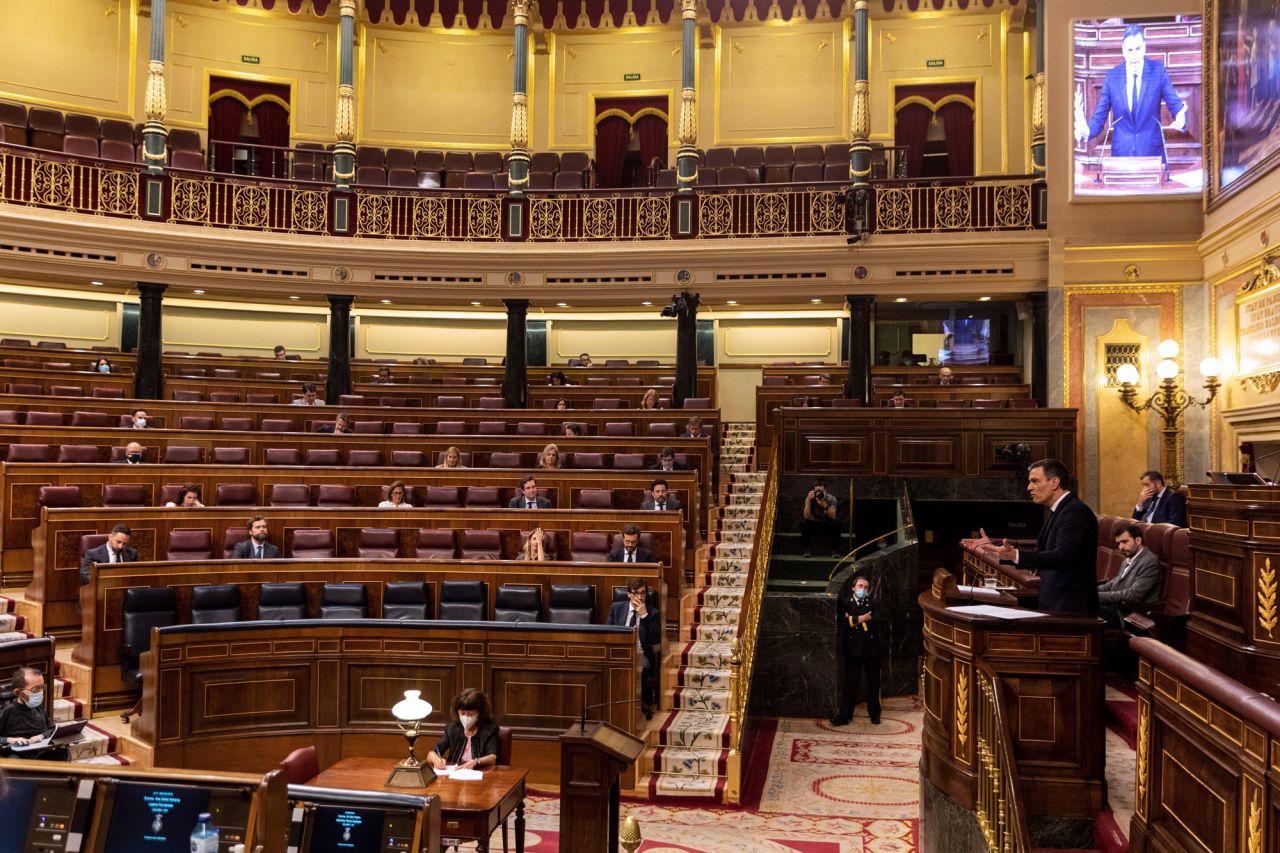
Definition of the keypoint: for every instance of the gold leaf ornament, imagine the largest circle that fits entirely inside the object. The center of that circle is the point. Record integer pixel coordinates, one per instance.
(1267, 598)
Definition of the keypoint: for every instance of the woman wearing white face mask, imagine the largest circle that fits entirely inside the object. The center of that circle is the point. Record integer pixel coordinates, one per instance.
(860, 645)
(471, 740)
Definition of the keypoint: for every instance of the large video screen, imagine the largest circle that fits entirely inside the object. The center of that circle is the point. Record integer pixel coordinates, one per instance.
(1137, 106)
(1248, 90)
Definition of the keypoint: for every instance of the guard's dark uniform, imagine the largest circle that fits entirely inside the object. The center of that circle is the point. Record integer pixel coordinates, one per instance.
(860, 643)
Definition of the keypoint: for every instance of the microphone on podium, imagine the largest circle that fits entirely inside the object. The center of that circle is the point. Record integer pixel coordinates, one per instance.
(582, 723)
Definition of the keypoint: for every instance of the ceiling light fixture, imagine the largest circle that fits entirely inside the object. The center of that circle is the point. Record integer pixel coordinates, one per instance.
(731, 302)
(646, 302)
(562, 304)
(295, 297)
(96, 283)
(984, 298)
(198, 292)
(816, 301)
(475, 304)
(386, 302)
(901, 299)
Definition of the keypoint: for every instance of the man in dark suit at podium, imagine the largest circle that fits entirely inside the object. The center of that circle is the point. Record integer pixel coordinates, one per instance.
(1159, 505)
(1067, 549)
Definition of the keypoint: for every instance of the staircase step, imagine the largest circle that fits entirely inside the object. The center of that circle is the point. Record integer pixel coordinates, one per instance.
(708, 654)
(695, 729)
(713, 633)
(697, 762)
(701, 699)
(67, 709)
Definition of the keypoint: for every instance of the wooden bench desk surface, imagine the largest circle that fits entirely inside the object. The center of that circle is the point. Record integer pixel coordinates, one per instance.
(361, 773)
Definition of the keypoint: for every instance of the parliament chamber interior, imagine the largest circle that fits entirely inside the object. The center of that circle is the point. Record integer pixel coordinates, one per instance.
(890, 390)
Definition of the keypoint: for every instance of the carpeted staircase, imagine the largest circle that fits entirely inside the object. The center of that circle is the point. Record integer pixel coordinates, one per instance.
(11, 624)
(691, 749)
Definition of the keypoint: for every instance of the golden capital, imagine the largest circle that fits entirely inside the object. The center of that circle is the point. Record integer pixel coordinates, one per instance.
(1037, 104)
(688, 10)
(860, 6)
(520, 121)
(520, 12)
(860, 115)
(345, 119)
(347, 8)
(687, 131)
(153, 105)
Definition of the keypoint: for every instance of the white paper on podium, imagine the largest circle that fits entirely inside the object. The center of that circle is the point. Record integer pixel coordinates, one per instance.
(995, 612)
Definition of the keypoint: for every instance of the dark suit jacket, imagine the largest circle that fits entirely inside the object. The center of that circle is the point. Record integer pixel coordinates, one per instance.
(643, 555)
(1137, 588)
(99, 555)
(329, 428)
(1067, 559)
(1170, 509)
(858, 640)
(677, 465)
(518, 502)
(672, 503)
(1136, 133)
(453, 741)
(244, 551)
(650, 625)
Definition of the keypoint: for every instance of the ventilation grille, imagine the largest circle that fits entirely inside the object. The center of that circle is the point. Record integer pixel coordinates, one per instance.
(985, 272)
(273, 272)
(429, 279)
(599, 279)
(815, 275)
(1115, 355)
(46, 252)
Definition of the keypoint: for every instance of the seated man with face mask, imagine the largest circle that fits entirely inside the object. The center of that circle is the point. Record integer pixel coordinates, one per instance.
(133, 453)
(24, 720)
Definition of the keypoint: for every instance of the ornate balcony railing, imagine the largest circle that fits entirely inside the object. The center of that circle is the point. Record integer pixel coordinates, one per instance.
(756, 211)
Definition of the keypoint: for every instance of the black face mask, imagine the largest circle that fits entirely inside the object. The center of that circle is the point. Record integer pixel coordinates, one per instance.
(134, 458)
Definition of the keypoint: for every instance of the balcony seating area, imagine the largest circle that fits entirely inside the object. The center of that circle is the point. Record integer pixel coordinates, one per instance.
(81, 135)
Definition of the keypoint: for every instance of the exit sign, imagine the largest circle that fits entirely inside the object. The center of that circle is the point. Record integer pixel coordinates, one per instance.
(630, 78)
(934, 63)
(249, 60)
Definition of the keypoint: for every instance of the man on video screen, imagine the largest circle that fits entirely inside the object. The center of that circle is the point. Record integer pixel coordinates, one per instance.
(1132, 93)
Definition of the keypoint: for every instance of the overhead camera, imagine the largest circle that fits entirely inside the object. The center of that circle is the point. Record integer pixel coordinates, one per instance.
(681, 303)
(855, 208)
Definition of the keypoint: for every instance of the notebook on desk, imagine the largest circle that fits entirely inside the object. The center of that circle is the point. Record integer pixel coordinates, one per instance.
(60, 735)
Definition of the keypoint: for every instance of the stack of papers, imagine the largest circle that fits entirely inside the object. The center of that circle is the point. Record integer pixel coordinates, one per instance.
(451, 771)
(995, 612)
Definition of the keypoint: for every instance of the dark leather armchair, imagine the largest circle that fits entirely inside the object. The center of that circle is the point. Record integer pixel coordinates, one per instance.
(215, 603)
(143, 609)
(463, 600)
(517, 603)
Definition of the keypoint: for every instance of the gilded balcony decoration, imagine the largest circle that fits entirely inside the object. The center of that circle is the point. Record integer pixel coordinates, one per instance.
(259, 207)
(715, 216)
(429, 218)
(345, 118)
(1141, 779)
(51, 184)
(687, 133)
(770, 212)
(191, 200)
(154, 104)
(915, 207)
(373, 215)
(485, 219)
(520, 121)
(310, 211)
(1267, 598)
(117, 192)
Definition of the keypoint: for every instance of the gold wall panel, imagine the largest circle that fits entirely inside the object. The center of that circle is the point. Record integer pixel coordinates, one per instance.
(76, 322)
(1121, 431)
(237, 331)
(444, 339)
(767, 340)
(435, 89)
(586, 67)
(787, 82)
(631, 339)
(295, 50)
(905, 45)
(70, 54)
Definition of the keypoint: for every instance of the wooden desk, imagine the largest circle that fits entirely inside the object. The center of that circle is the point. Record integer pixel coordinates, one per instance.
(469, 811)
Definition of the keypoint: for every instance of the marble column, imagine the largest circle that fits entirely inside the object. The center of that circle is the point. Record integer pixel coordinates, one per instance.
(860, 113)
(148, 377)
(518, 160)
(339, 381)
(686, 349)
(515, 381)
(1038, 302)
(687, 130)
(861, 314)
(1038, 96)
(155, 138)
(344, 148)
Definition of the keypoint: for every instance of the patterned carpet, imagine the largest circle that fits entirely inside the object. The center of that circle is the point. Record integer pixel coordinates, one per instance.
(826, 790)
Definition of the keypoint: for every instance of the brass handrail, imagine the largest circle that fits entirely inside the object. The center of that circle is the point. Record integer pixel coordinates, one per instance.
(1001, 815)
(744, 646)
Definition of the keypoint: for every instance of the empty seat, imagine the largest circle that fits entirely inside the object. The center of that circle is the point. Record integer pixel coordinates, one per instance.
(234, 494)
(483, 496)
(46, 128)
(364, 458)
(378, 543)
(405, 600)
(545, 161)
(80, 146)
(662, 428)
(436, 497)
(184, 140)
(215, 603)
(290, 494)
(310, 543)
(807, 155)
(283, 456)
(79, 453)
(607, 403)
(282, 601)
(835, 172)
(401, 428)
(517, 603)
(183, 454)
(195, 422)
(13, 124)
(66, 391)
(595, 499)
(572, 604)
(114, 128)
(368, 427)
(531, 428)
(837, 154)
(588, 460)
(407, 458)
(451, 428)
(807, 173)
(142, 610)
(335, 495)
(189, 545)
(504, 459)
(436, 543)
(344, 601)
(262, 398)
(238, 424)
(491, 403)
(777, 164)
(598, 380)
(696, 403)
(181, 396)
(223, 397)
(589, 546)
(463, 600)
(230, 456)
(736, 175)
(718, 158)
(542, 180)
(55, 497)
(44, 419)
(124, 494)
(568, 181)
(989, 404)
(480, 545)
(628, 461)
(325, 456)
(576, 161)
(450, 401)
(477, 181)
(91, 419)
(192, 161)
(619, 428)
(29, 453)
(491, 428)
(275, 425)
(231, 537)
(371, 176)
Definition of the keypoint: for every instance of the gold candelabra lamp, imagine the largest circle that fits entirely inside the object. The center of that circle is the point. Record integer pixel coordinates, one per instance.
(410, 712)
(1170, 400)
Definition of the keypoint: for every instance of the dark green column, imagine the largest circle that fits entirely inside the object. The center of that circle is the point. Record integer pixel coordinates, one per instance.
(687, 130)
(686, 348)
(515, 381)
(518, 161)
(858, 384)
(1039, 304)
(860, 114)
(148, 377)
(344, 148)
(339, 380)
(155, 138)
(1038, 96)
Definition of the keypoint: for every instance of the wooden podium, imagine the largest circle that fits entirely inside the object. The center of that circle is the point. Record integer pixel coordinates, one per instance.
(592, 757)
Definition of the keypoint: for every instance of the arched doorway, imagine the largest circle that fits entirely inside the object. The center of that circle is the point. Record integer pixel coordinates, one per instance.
(934, 124)
(631, 134)
(244, 114)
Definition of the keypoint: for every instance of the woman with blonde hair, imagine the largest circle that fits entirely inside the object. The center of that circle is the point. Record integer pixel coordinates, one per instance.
(534, 548)
(452, 458)
(549, 458)
(650, 399)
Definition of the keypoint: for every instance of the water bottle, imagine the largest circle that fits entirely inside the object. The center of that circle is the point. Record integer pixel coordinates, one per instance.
(204, 838)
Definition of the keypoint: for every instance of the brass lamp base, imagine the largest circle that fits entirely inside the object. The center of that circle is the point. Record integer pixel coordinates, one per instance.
(405, 775)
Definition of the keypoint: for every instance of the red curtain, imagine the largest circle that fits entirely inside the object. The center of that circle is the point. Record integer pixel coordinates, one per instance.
(651, 130)
(224, 127)
(911, 129)
(957, 122)
(273, 130)
(612, 135)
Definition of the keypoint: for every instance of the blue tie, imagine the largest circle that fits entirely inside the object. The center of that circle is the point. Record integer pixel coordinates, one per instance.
(1133, 95)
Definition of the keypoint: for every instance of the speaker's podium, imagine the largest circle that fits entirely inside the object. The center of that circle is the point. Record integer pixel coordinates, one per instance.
(592, 757)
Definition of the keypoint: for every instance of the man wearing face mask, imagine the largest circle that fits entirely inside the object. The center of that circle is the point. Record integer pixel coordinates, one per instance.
(256, 547)
(115, 550)
(24, 720)
(820, 519)
(860, 644)
(133, 453)
(139, 419)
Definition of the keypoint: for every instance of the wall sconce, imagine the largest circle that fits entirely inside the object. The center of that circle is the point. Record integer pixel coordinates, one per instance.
(1170, 400)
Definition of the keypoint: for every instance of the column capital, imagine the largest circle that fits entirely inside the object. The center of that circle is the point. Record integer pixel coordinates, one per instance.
(516, 304)
(689, 10)
(151, 290)
(520, 10)
(339, 302)
(347, 8)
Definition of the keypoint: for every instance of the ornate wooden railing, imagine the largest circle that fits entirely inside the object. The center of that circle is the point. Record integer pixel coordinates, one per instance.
(999, 808)
(756, 211)
(744, 645)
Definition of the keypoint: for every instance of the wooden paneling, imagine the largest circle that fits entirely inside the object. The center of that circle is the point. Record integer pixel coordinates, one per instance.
(281, 675)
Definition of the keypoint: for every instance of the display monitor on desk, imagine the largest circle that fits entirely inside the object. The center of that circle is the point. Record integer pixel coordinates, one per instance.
(38, 813)
(146, 817)
(336, 821)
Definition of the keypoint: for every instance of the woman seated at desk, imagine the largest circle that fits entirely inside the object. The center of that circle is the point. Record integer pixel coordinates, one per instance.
(471, 740)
